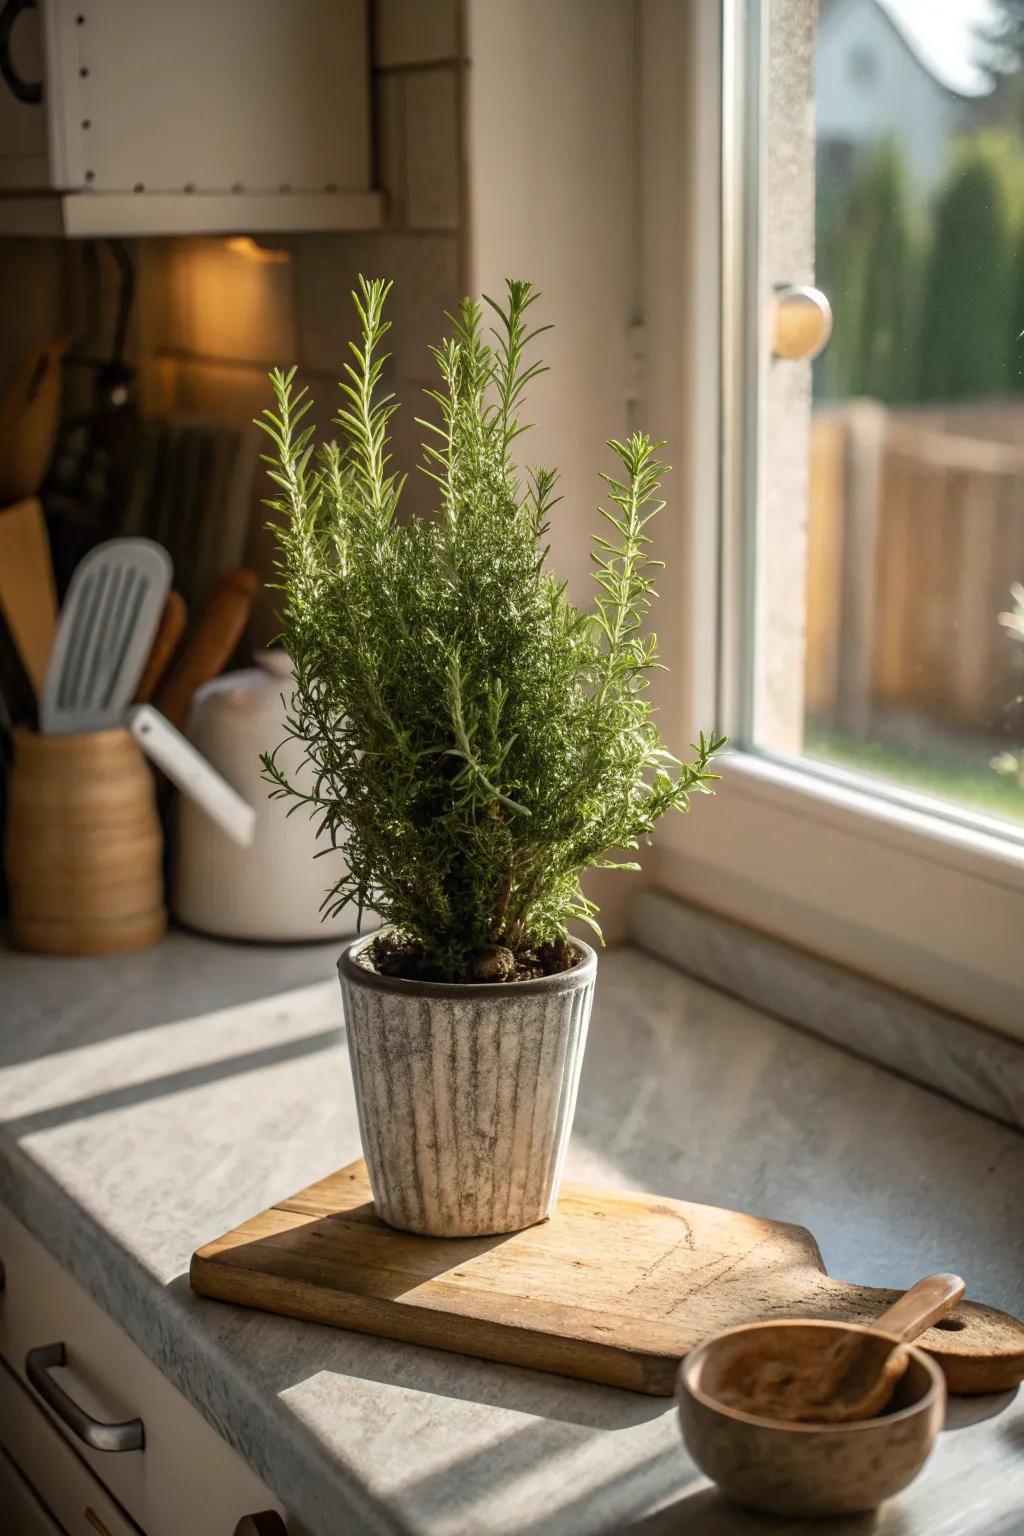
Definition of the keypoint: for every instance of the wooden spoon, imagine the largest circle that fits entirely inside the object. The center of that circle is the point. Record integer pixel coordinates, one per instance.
(208, 649)
(28, 596)
(859, 1375)
(165, 643)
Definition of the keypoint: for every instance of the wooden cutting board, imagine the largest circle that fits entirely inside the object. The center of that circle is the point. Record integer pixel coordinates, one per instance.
(614, 1288)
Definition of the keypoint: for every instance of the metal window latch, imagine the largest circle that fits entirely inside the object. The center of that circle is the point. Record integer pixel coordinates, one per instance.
(801, 323)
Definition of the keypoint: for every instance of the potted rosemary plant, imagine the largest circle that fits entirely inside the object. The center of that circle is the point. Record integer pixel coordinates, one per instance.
(477, 743)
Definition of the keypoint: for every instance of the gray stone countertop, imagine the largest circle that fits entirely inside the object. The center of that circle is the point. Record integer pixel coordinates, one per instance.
(153, 1101)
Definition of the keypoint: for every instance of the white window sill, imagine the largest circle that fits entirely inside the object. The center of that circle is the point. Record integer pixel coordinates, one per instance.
(980, 845)
(893, 890)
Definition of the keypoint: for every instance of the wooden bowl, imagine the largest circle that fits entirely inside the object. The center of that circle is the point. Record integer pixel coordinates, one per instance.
(804, 1469)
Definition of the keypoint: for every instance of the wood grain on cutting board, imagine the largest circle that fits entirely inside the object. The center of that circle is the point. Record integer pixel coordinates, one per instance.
(615, 1287)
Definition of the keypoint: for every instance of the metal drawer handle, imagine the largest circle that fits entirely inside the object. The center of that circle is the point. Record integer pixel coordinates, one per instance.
(128, 1436)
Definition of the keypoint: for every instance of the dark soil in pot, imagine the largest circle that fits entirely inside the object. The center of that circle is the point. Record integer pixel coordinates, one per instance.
(391, 955)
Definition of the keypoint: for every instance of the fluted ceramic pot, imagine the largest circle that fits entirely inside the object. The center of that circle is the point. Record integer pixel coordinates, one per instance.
(465, 1093)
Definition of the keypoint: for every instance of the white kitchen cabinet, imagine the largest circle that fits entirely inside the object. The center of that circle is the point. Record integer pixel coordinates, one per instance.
(22, 1512)
(126, 118)
(183, 1478)
(50, 1470)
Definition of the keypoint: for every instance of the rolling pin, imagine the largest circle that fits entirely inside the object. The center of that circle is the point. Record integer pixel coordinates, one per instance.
(208, 649)
(165, 643)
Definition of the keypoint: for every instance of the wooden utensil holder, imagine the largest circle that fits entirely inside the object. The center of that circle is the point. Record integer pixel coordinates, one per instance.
(84, 849)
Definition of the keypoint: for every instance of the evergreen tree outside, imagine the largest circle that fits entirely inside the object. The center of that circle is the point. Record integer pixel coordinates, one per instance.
(1003, 151)
(1003, 46)
(1015, 329)
(928, 302)
(967, 306)
(867, 259)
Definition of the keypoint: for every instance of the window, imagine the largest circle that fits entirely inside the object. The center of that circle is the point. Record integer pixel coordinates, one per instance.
(872, 503)
(862, 65)
(913, 661)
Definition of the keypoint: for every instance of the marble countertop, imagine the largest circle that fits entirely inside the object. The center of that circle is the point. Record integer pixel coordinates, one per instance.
(153, 1101)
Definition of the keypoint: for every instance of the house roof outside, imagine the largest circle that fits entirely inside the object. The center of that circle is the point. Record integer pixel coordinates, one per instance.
(945, 39)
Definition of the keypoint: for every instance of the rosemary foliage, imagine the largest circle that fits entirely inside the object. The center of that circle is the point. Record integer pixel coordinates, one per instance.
(477, 742)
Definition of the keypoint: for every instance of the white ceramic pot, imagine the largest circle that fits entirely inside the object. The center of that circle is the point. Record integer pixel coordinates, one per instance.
(273, 889)
(465, 1093)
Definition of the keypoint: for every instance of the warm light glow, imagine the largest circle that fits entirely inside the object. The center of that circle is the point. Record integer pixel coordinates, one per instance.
(229, 299)
(245, 245)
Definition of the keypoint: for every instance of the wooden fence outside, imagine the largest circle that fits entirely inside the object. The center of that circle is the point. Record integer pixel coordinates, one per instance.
(916, 532)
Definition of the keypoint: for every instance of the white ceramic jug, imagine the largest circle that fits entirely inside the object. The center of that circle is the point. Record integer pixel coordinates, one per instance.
(271, 890)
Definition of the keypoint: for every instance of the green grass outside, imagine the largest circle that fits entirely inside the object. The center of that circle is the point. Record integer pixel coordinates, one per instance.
(953, 773)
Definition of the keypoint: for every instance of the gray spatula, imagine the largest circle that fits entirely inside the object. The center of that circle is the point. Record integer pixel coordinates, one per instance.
(110, 614)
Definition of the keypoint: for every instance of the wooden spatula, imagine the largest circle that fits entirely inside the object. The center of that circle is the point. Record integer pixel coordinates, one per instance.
(28, 594)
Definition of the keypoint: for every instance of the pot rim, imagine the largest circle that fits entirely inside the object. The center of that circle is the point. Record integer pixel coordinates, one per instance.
(467, 991)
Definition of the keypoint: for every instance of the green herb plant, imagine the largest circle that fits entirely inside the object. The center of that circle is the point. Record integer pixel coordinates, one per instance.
(476, 741)
(1011, 764)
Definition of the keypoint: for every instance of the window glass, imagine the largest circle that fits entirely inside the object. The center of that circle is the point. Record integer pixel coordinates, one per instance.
(910, 666)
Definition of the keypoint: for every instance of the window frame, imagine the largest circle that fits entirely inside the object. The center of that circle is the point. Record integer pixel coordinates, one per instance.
(889, 882)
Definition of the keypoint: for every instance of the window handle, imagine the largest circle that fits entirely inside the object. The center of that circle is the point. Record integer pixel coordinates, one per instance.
(39, 1362)
(801, 323)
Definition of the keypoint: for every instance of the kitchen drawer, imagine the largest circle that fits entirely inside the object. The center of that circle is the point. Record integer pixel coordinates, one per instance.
(73, 1496)
(186, 1478)
(21, 1513)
